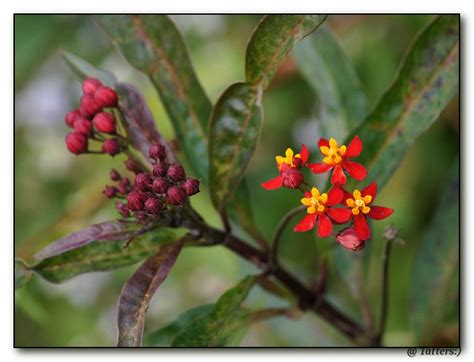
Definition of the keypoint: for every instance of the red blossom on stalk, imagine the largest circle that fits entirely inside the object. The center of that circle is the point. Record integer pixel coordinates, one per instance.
(360, 204)
(337, 159)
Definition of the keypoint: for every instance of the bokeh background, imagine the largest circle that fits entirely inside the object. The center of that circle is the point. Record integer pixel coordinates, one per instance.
(57, 193)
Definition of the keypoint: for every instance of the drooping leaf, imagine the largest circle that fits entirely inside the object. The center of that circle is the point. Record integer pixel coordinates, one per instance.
(139, 122)
(233, 133)
(427, 80)
(138, 291)
(435, 277)
(105, 231)
(271, 41)
(209, 330)
(342, 102)
(83, 69)
(22, 273)
(164, 336)
(153, 45)
(102, 256)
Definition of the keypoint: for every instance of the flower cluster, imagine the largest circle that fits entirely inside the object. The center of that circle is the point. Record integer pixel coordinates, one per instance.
(94, 120)
(151, 192)
(337, 206)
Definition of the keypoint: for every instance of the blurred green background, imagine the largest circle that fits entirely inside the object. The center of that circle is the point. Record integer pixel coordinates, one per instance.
(57, 193)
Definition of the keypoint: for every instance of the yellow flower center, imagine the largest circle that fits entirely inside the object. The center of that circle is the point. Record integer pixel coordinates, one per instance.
(315, 202)
(288, 159)
(358, 203)
(333, 153)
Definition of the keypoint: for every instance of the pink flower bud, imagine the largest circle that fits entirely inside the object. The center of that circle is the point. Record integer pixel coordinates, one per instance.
(89, 106)
(157, 152)
(115, 175)
(176, 173)
(122, 209)
(160, 185)
(176, 195)
(124, 186)
(105, 97)
(110, 191)
(76, 143)
(142, 182)
(133, 166)
(105, 122)
(111, 146)
(71, 117)
(83, 126)
(136, 200)
(348, 239)
(159, 170)
(153, 206)
(291, 177)
(191, 186)
(90, 85)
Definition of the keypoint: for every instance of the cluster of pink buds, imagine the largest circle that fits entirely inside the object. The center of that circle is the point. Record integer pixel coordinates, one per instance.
(94, 120)
(151, 193)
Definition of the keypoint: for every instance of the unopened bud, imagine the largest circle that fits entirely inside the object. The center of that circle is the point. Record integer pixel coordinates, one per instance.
(76, 143)
(176, 195)
(115, 175)
(291, 178)
(89, 106)
(133, 166)
(71, 117)
(160, 185)
(124, 186)
(153, 206)
(176, 173)
(83, 126)
(142, 181)
(159, 170)
(90, 85)
(157, 152)
(191, 186)
(110, 191)
(111, 146)
(105, 97)
(348, 239)
(105, 122)
(136, 200)
(122, 209)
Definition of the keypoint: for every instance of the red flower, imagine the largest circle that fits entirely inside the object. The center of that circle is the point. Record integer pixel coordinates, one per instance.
(288, 167)
(359, 203)
(336, 157)
(321, 213)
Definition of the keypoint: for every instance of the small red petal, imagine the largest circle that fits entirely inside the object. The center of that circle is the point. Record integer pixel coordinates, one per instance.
(319, 167)
(355, 147)
(273, 184)
(324, 226)
(356, 170)
(380, 212)
(361, 227)
(339, 215)
(371, 190)
(335, 196)
(346, 195)
(304, 153)
(323, 142)
(307, 223)
(338, 177)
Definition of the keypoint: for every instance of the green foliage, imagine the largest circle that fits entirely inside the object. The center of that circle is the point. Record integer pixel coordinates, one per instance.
(22, 273)
(138, 291)
(83, 69)
(435, 281)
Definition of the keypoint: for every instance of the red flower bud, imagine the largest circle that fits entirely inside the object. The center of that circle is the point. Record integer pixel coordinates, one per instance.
(348, 239)
(76, 143)
(159, 170)
(160, 185)
(133, 166)
(176, 173)
(153, 206)
(105, 122)
(124, 186)
(89, 106)
(71, 117)
(115, 175)
(122, 209)
(142, 181)
(291, 177)
(136, 200)
(157, 152)
(90, 85)
(110, 191)
(111, 146)
(297, 161)
(191, 186)
(105, 97)
(83, 125)
(176, 195)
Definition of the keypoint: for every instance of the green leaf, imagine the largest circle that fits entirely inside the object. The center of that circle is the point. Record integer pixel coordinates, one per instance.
(271, 41)
(22, 273)
(164, 336)
(428, 79)
(209, 330)
(233, 133)
(83, 69)
(342, 102)
(138, 291)
(435, 277)
(102, 256)
(153, 45)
